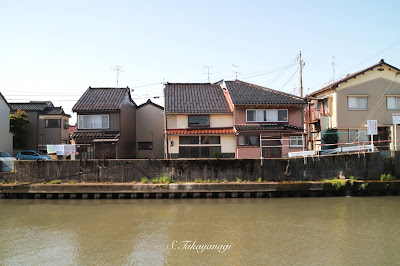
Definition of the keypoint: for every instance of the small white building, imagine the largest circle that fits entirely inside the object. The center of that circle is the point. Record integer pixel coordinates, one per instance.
(6, 138)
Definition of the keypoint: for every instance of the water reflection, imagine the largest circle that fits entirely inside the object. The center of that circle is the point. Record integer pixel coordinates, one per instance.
(261, 231)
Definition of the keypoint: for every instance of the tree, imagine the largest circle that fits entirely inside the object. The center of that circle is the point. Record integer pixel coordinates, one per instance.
(330, 137)
(17, 127)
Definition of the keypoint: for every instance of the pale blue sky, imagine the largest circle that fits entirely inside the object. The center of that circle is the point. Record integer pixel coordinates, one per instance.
(55, 50)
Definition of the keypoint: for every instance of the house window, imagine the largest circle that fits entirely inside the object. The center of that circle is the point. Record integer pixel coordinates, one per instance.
(357, 102)
(198, 151)
(249, 140)
(93, 121)
(296, 141)
(199, 146)
(359, 135)
(65, 123)
(267, 115)
(53, 123)
(145, 145)
(199, 120)
(393, 103)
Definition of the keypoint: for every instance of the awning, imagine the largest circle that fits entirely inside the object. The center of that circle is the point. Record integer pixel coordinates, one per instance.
(202, 131)
(105, 140)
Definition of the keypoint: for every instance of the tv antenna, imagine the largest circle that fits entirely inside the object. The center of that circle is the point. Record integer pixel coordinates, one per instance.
(236, 71)
(208, 72)
(117, 69)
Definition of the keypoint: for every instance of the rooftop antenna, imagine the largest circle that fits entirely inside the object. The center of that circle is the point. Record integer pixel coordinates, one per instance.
(117, 69)
(236, 72)
(333, 67)
(208, 72)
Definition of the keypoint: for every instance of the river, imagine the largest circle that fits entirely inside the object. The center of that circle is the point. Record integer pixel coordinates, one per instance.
(266, 231)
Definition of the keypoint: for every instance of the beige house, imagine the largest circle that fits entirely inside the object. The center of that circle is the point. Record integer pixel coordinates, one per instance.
(199, 122)
(149, 131)
(346, 105)
(6, 138)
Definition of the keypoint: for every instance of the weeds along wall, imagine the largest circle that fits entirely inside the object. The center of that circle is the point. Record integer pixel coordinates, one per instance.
(366, 166)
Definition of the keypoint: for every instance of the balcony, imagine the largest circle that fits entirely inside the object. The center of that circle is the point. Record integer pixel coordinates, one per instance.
(313, 115)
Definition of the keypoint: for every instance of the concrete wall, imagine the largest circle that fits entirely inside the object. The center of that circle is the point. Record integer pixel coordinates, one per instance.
(150, 125)
(366, 166)
(6, 138)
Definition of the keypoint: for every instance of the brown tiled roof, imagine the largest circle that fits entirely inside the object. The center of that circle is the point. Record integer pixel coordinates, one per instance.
(350, 76)
(150, 102)
(263, 127)
(195, 98)
(96, 135)
(246, 93)
(103, 99)
(208, 131)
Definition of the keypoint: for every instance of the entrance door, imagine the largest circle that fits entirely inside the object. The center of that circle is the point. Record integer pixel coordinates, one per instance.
(271, 148)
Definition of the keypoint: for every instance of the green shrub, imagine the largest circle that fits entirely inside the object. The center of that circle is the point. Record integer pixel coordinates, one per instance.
(162, 180)
(71, 182)
(387, 177)
(216, 181)
(336, 182)
(57, 181)
(198, 180)
(352, 177)
(145, 180)
(363, 186)
(225, 181)
(238, 180)
(259, 179)
(216, 154)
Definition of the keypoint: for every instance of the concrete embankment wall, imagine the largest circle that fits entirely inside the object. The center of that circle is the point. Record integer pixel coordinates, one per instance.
(194, 190)
(368, 166)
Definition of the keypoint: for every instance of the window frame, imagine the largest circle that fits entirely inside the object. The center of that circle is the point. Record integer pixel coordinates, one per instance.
(200, 125)
(248, 137)
(80, 126)
(396, 98)
(142, 146)
(297, 139)
(266, 116)
(46, 123)
(357, 97)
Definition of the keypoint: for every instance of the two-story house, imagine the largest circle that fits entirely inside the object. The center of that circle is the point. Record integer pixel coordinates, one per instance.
(198, 121)
(345, 106)
(149, 133)
(268, 123)
(234, 118)
(6, 138)
(106, 124)
(48, 124)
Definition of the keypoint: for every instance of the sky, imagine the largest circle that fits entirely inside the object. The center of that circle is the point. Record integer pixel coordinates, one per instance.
(55, 50)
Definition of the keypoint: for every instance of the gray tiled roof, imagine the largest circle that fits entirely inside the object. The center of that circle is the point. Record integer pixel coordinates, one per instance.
(53, 111)
(261, 127)
(105, 99)
(45, 108)
(246, 93)
(195, 98)
(31, 106)
(96, 135)
(150, 102)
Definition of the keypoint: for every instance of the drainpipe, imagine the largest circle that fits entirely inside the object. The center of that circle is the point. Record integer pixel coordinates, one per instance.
(165, 127)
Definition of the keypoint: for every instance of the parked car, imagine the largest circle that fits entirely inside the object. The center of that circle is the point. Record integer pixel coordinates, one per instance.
(32, 155)
(6, 161)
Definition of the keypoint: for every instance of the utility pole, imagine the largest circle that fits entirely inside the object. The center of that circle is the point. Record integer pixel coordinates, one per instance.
(236, 71)
(208, 72)
(301, 74)
(117, 69)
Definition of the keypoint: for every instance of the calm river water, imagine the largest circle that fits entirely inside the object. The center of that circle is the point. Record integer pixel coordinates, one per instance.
(305, 231)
